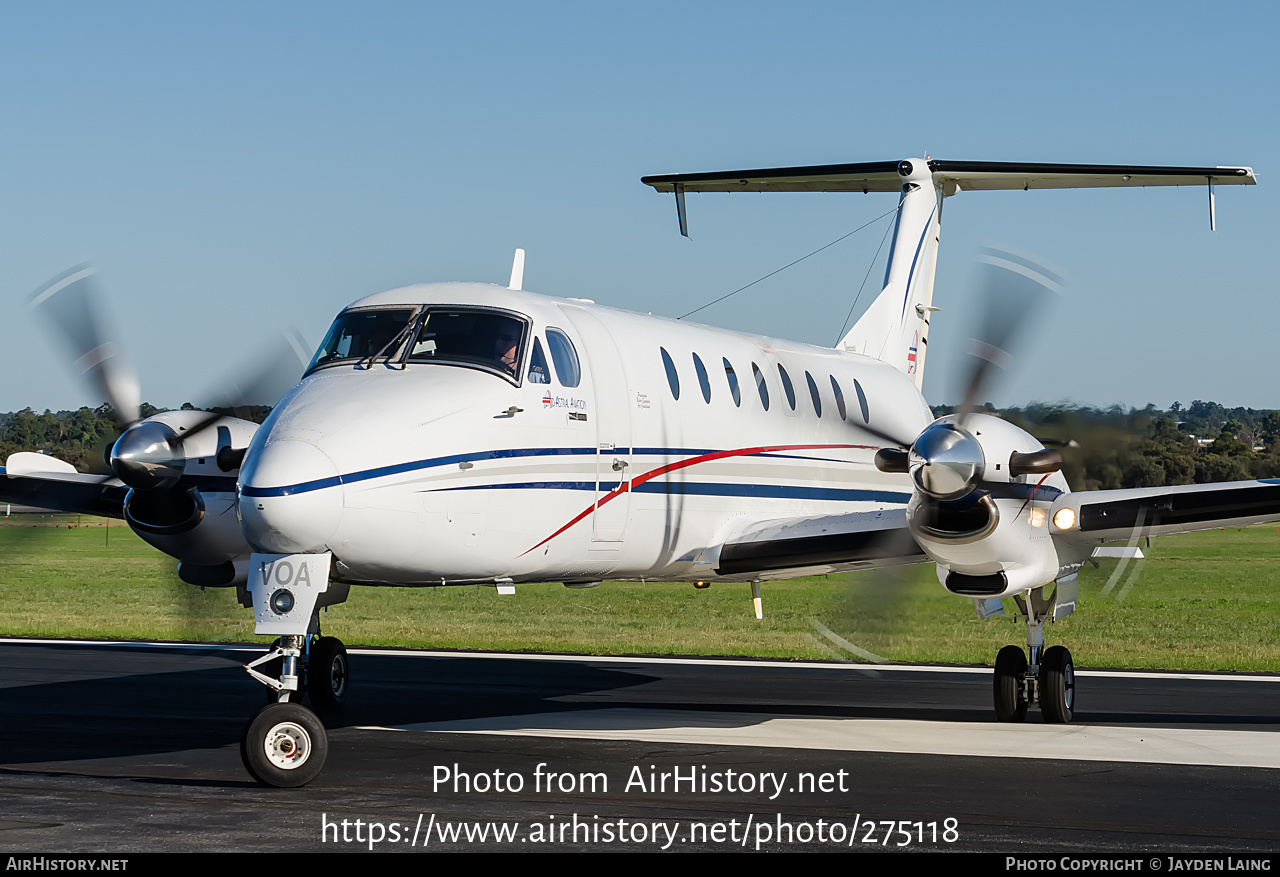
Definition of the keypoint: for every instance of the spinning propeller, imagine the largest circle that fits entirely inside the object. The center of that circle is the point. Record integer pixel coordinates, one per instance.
(947, 464)
(149, 455)
(69, 302)
(946, 461)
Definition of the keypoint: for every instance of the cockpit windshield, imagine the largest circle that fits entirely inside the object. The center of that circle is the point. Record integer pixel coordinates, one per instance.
(485, 338)
(362, 334)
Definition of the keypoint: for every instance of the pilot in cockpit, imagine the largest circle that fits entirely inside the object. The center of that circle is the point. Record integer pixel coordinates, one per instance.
(506, 344)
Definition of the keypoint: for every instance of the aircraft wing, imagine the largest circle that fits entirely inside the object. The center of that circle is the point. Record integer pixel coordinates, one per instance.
(36, 480)
(1115, 515)
(859, 540)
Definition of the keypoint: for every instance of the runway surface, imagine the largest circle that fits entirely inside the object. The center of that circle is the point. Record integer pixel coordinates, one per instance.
(129, 748)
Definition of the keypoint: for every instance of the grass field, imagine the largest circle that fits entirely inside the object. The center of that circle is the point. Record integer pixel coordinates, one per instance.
(1203, 601)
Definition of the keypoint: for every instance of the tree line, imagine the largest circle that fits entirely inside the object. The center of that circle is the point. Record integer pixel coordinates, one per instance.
(1108, 448)
(1102, 448)
(82, 437)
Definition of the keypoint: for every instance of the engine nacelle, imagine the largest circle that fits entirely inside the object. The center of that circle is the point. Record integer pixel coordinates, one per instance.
(182, 499)
(993, 539)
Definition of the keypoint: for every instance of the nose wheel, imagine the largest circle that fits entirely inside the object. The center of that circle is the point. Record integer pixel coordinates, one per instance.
(285, 746)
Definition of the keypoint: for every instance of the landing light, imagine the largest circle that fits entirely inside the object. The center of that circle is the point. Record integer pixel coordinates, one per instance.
(1064, 519)
(282, 602)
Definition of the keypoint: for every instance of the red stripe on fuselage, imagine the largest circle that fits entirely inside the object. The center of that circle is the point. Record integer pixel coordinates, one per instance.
(684, 464)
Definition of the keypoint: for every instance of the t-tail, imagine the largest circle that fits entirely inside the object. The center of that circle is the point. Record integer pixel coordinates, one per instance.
(895, 327)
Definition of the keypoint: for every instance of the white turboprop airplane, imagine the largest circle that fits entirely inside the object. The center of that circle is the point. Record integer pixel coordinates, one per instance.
(464, 433)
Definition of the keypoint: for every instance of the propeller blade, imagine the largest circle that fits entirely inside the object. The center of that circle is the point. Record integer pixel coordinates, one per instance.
(69, 303)
(1015, 287)
(259, 382)
(890, 440)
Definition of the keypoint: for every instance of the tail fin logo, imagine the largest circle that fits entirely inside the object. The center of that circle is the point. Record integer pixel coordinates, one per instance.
(911, 354)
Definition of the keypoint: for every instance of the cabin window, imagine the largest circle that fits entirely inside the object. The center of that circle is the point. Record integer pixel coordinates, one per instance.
(813, 394)
(357, 335)
(862, 401)
(732, 378)
(480, 338)
(703, 381)
(761, 385)
(786, 387)
(538, 371)
(839, 394)
(673, 379)
(565, 358)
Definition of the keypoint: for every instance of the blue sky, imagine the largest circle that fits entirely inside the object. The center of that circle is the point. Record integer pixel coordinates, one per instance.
(234, 169)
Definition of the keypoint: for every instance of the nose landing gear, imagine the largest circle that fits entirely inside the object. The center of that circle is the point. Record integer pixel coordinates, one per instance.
(285, 744)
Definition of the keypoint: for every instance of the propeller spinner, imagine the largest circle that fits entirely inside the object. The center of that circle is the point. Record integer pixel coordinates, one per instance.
(946, 461)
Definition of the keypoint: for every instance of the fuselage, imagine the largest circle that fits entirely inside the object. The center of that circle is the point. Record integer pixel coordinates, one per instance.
(434, 459)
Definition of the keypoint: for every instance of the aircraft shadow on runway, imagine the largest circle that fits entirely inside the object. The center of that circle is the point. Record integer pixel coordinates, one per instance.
(136, 706)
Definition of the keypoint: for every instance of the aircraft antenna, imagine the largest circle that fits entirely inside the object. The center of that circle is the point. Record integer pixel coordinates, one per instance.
(864, 283)
(789, 264)
(517, 270)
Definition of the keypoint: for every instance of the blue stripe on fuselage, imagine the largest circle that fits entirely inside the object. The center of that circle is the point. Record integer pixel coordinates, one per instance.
(418, 465)
(696, 488)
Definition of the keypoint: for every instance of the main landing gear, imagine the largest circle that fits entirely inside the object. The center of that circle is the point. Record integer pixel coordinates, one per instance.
(1049, 678)
(285, 744)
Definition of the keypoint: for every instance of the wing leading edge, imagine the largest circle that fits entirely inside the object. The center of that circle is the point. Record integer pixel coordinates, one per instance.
(1115, 515)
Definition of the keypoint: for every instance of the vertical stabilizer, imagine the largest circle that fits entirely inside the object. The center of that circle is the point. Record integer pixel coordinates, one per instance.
(895, 328)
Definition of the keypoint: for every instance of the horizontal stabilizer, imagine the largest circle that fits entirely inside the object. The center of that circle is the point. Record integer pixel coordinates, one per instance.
(983, 175)
(871, 176)
(887, 176)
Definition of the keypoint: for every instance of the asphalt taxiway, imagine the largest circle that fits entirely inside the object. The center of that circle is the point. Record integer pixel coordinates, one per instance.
(135, 748)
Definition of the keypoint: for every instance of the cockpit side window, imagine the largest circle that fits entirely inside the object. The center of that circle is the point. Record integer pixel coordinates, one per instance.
(477, 337)
(361, 334)
(538, 371)
(565, 358)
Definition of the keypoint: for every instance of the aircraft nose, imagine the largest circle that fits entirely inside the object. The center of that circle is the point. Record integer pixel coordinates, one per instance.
(290, 498)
